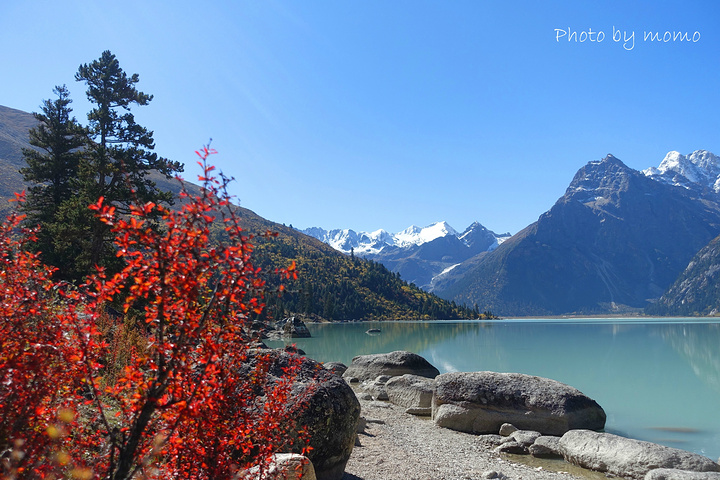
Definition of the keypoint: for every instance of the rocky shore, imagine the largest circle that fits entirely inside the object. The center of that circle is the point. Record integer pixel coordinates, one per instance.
(398, 446)
(469, 427)
(407, 421)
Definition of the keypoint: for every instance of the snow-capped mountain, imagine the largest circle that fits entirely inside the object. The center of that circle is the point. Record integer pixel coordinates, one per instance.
(700, 169)
(414, 235)
(418, 254)
(614, 242)
(371, 243)
(363, 243)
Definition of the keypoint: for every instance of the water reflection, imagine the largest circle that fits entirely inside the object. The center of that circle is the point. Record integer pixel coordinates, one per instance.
(699, 346)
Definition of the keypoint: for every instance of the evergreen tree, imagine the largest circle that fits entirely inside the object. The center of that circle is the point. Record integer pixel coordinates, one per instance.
(120, 157)
(52, 171)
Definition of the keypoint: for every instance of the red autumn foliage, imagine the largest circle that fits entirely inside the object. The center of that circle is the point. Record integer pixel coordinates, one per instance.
(180, 407)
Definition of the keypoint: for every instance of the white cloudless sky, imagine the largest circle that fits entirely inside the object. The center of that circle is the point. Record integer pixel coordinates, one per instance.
(376, 114)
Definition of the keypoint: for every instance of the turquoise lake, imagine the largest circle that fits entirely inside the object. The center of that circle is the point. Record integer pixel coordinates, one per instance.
(657, 379)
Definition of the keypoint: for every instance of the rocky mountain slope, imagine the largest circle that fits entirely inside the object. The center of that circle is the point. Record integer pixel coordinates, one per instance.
(614, 242)
(417, 254)
(697, 289)
(331, 285)
(14, 126)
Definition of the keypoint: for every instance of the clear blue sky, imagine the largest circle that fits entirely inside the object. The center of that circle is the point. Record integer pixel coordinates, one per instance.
(382, 114)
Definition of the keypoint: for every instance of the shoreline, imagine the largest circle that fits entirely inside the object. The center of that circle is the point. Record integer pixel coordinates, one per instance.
(615, 316)
(398, 446)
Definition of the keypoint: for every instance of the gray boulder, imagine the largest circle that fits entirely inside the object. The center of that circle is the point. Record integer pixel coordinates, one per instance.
(512, 447)
(481, 402)
(525, 437)
(338, 368)
(326, 406)
(368, 367)
(506, 429)
(546, 447)
(627, 457)
(376, 388)
(674, 474)
(412, 392)
(517, 442)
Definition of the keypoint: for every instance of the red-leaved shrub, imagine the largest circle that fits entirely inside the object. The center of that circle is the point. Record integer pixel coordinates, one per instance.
(154, 395)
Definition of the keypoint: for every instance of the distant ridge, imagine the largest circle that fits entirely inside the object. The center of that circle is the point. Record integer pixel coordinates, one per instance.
(419, 255)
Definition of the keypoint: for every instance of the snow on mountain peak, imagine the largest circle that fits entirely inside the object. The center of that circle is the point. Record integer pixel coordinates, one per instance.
(414, 235)
(371, 243)
(700, 167)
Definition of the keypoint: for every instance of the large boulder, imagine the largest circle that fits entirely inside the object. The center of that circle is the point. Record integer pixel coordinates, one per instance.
(393, 364)
(627, 457)
(412, 392)
(481, 402)
(328, 409)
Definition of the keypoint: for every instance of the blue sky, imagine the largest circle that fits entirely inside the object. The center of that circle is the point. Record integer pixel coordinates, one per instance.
(382, 114)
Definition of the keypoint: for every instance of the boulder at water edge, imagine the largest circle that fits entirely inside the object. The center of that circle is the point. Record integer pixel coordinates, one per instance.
(330, 411)
(627, 457)
(295, 328)
(481, 402)
(393, 364)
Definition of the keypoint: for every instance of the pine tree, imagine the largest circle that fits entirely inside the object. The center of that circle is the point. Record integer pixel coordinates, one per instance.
(52, 171)
(120, 157)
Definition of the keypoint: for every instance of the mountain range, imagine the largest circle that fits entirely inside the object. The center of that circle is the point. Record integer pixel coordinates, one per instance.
(419, 255)
(618, 241)
(613, 243)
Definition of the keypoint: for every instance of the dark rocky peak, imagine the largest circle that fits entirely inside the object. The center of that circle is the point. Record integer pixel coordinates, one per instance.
(477, 233)
(599, 174)
(601, 182)
(479, 239)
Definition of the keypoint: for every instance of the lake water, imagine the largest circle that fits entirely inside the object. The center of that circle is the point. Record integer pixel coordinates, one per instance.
(657, 379)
